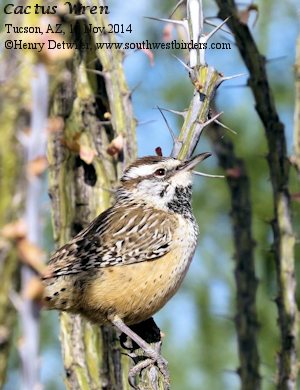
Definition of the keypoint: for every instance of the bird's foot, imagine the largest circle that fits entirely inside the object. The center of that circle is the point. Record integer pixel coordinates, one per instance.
(136, 371)
(152, 356)
(147, 363)
(160, 361)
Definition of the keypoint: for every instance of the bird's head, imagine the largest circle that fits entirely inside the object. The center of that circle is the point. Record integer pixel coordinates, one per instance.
(158, 181)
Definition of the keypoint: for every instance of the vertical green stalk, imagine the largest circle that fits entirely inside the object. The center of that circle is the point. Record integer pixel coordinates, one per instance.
(284, 240)
(94, 102)
(296, 156)
(206, 80)
(12, 97)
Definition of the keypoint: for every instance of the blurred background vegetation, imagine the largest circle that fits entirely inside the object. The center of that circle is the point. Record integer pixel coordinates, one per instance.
(200, 340)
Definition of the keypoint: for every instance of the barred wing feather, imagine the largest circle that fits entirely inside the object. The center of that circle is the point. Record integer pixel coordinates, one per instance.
(119, 236)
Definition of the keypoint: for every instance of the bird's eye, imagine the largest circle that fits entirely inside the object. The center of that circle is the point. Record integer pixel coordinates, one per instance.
(160, 172)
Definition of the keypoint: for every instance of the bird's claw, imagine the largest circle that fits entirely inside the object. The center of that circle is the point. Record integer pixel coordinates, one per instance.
(136, 370)
(157, 360)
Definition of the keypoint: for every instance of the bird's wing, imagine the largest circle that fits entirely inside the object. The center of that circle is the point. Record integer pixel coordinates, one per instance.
(119, 236)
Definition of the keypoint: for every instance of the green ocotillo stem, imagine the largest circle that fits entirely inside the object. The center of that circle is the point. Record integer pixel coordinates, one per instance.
(282, 224)
(206, 80)
(13, 96)
(296, 156)
(80, 190)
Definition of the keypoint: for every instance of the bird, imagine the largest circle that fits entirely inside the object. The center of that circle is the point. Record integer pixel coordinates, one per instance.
(132, 258)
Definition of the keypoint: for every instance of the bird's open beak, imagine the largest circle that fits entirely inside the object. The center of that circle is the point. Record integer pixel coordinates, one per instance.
(191, 163)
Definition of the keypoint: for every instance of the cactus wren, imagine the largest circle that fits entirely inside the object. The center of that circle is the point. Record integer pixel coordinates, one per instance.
(132, 258)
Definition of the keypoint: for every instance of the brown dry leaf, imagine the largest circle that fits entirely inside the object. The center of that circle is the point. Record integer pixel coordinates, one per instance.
(55, 124)
(48, 20)
(73, 144)
(296, 196)
(4, 334)
(168, 32)
(58, 51)
(116, 145)
(37, 166)
(158, 151)
(34, 289)
(26, 130)
(87, 154)
(244, 15)
(56, 46)
(62, 10)
(14, 230)
(31, 255)
(150, 55)
(198, 85)
(107, 115)
(233, 173)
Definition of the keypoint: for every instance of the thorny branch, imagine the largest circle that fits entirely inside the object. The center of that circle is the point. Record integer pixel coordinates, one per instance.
(206, 80)
(29, 311)
(93, 101)
(10, 163)
(296, 157)
(284, 240)
(246, 282)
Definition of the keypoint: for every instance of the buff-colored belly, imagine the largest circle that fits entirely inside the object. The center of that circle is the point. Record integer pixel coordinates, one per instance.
(135, 292)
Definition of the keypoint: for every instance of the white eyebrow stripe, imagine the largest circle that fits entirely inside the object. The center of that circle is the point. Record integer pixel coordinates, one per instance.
(149, 169)
(142, 170)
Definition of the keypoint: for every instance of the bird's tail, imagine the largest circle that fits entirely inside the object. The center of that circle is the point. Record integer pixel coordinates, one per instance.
(56, 295)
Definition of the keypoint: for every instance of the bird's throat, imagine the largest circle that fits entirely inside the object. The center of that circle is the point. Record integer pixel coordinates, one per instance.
(181, 202)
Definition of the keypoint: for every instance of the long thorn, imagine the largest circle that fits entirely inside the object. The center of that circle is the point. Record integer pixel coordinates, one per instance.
(208, 36)
(169, 128)
(181, 113)
(143, 123)
(279, 58)
(173, 21)
(226, 78)
(208, 175)
(237, 86)
(98, 72)
(211, 120)
(176, 7)
(215, 25)
(182, 23)
(225, 127)
(182, 63)
(136, 87)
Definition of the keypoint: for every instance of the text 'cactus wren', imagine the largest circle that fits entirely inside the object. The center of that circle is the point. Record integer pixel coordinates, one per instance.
(133, 257)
